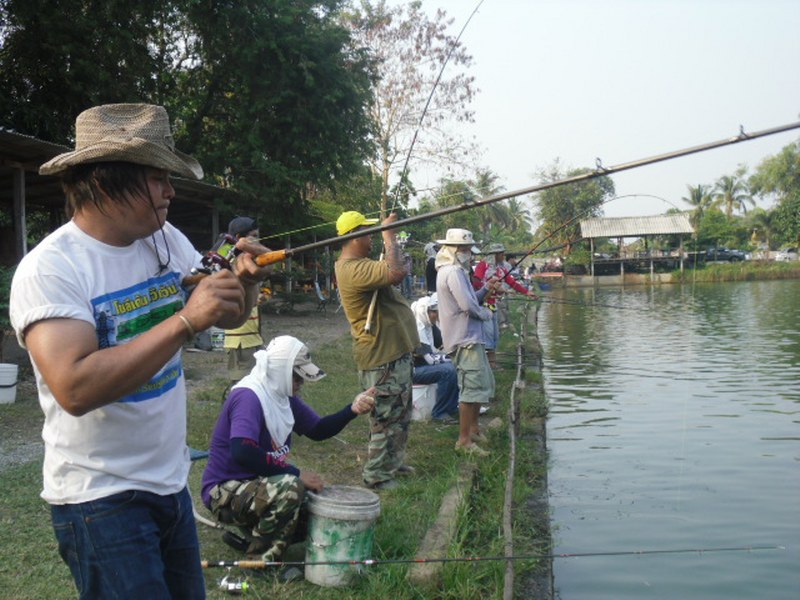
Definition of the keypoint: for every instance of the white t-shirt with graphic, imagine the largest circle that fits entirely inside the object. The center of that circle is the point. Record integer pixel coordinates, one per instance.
(137, 442)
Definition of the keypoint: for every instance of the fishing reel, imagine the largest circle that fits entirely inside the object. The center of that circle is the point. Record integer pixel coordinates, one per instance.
(220, 256)
(235, 587)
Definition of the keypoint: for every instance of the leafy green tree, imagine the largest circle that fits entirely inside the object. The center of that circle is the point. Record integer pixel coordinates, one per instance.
(271, 96)
(716, 230)
(493, 217)
(519, 232)
(453, 193)
(561, 208)
(410, 48)
(763, 225)
(276, 99)
(59, 58)
(779, 177)
(733, 193)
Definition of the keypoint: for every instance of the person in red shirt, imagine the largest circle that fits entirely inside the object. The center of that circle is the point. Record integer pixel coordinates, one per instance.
(495, 265)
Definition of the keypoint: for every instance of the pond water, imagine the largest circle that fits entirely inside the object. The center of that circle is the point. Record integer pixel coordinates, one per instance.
(674, 424)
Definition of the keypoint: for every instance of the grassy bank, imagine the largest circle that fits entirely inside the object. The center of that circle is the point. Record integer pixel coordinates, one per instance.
(739, 271)
(31, 569)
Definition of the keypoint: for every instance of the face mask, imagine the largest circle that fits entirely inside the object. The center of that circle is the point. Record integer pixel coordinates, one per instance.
(464, 258)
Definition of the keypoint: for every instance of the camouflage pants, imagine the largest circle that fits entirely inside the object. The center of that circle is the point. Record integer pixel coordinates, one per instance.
(267, 509)
(389, 419)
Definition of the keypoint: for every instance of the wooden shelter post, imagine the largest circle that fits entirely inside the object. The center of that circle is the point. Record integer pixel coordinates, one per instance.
(21, 233)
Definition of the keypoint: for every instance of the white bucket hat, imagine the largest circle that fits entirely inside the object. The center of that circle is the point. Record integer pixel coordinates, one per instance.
(459, 237)
(135, 133)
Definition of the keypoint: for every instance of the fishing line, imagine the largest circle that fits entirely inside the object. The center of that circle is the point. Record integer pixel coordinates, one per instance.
(550, 300)
(453, 46)
(404, 171)
(262, 564)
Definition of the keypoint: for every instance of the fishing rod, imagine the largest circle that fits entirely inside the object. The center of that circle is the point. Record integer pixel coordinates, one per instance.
(550, 300)
(404, 172)
(536, 247)
(368, 562)
(276, 256)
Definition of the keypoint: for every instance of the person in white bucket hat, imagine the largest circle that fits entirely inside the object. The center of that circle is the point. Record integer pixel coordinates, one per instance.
(249, 481)
(460, 318)
(100, 306)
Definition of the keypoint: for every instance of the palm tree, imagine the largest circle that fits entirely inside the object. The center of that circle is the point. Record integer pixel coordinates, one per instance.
(764, 226)
(732, 192)
(520, 217)
(700, 200)
(494, 214)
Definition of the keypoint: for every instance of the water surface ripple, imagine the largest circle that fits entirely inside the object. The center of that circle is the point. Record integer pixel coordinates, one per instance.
(675, 423)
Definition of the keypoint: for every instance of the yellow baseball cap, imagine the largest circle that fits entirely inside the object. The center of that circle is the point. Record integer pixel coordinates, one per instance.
(351, 219)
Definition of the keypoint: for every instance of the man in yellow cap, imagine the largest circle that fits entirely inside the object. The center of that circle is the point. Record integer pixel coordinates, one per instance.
(384, 335)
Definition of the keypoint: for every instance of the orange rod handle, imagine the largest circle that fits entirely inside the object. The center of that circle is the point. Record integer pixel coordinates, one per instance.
(270, 258)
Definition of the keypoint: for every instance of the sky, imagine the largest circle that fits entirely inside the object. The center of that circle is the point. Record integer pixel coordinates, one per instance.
(623, 80)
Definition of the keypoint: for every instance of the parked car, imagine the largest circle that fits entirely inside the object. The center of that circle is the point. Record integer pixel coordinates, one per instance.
(726, 254)
(786, 254)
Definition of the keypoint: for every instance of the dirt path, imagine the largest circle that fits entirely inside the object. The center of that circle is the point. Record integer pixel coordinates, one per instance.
(21, 422)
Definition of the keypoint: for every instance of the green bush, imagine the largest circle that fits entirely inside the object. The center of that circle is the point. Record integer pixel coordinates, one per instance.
(6, 273)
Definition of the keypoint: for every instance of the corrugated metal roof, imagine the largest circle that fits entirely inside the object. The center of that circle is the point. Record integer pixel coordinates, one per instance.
(603, 227)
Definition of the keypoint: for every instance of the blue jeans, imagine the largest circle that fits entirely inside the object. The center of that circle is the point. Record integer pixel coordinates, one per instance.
(491, 332)
(446, 380)
(131, 545)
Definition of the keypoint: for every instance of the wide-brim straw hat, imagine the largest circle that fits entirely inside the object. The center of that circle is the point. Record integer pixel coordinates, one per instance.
(134, 133)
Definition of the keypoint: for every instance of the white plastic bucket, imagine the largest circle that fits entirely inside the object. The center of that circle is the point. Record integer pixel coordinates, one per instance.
(341, 527)
(8, 382)
(423, 397)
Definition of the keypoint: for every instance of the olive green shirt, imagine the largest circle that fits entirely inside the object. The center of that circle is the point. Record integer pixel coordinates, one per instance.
(393, 331)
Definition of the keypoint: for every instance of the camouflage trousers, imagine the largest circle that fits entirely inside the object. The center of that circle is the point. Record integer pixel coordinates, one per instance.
(266, 509)
(389, 419)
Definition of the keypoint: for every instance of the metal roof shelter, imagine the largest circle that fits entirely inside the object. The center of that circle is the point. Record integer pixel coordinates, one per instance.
(643, 227)
(194, 210)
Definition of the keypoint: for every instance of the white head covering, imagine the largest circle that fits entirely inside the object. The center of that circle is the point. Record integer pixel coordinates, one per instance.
(424, 327)
(420, 309)
(448, 255)
(271, 381)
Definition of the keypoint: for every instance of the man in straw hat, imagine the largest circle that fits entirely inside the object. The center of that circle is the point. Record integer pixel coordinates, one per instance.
(461, 316)
(384, 334)
(249, 481)
(100, 307)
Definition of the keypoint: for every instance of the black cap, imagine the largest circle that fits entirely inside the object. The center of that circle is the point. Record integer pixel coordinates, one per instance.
(240, 226)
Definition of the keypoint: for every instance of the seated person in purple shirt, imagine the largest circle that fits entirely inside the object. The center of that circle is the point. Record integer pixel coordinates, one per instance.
(249, 481)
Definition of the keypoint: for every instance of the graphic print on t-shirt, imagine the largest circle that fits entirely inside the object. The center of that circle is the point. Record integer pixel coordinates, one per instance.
(122, 315)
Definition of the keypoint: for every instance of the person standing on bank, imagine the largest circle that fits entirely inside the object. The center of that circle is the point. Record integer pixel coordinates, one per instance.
(242, 343)
(495, 266)
(461, 317)
(383, 339)
(100, 307)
